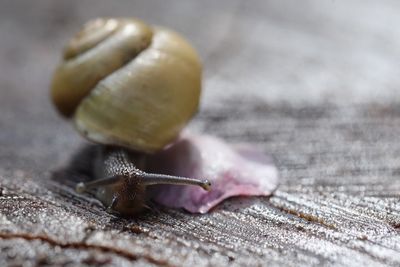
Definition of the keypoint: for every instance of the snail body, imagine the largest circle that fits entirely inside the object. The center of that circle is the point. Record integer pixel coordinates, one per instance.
(132, 88)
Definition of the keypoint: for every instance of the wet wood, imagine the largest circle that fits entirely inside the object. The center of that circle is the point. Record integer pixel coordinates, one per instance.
(315, 85)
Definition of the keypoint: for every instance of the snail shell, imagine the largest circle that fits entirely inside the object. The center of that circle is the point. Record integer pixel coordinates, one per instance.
(128, 84)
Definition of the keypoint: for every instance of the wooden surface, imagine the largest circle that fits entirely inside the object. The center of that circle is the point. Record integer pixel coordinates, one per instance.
(315, 84)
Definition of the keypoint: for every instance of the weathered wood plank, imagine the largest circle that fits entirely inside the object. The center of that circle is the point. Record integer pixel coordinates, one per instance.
(313, 84)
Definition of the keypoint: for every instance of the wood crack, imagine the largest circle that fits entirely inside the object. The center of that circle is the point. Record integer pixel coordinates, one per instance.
(81, 245)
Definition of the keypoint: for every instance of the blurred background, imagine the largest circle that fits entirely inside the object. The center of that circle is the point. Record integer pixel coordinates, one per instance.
(273, 50)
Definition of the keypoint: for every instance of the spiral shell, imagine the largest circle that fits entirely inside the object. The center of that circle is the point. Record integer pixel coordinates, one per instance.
(128, 84)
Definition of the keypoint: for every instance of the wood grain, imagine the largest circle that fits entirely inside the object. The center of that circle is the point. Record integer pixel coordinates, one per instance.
(314, 84)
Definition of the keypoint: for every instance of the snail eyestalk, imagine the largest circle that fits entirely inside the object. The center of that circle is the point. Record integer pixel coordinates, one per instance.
(82, 187)
(146, 179)
(153, 179)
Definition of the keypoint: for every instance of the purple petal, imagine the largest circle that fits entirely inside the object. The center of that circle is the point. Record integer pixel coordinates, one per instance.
(239, 170)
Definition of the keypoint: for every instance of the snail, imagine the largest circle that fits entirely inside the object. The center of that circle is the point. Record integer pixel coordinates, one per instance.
(132, 88)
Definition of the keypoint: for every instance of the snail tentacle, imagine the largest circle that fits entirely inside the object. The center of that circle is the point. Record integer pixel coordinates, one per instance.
(125, 184)
(121, 166)
(113, 204)
(82, 187)
(153, 178)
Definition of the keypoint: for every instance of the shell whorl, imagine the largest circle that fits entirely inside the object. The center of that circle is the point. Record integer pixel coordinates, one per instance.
(128, 84)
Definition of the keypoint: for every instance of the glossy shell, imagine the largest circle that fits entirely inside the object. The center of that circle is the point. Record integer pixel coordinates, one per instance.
(128, 84)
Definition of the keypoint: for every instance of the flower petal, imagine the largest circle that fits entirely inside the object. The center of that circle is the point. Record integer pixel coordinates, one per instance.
(239, 170)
